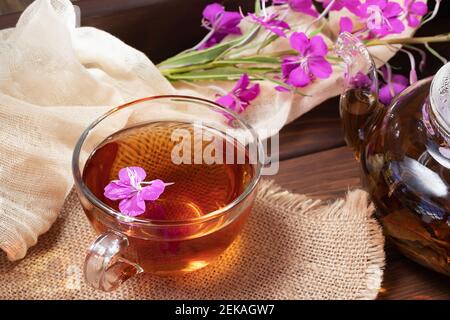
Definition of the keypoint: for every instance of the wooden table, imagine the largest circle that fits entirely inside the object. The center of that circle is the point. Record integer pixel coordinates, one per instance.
(314, 158)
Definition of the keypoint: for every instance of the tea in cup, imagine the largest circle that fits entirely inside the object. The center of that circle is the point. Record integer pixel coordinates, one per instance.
(209, 169)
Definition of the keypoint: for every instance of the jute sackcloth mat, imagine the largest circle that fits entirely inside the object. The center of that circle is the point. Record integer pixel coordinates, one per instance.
(291, 248)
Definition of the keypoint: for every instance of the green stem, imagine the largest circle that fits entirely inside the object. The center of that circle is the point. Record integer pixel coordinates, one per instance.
(211, 65)
(205, 66)
(435, 53)
(418, 40)
(282, 53)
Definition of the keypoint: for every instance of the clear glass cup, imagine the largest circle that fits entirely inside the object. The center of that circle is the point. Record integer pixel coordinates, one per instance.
(128, 245)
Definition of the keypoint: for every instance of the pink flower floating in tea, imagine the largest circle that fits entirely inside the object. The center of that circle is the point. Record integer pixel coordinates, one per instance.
(133, 191)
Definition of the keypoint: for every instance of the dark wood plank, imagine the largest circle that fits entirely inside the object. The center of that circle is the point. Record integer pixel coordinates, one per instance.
(329, 174)
(11, 6)
(406, 280)
(325, 175)
(317, 130)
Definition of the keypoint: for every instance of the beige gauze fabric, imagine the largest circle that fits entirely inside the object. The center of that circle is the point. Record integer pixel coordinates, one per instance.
(291, 248)
(56, 78)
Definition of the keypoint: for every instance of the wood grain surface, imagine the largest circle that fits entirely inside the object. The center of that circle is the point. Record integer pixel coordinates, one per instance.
(315, 160)
(11, 6)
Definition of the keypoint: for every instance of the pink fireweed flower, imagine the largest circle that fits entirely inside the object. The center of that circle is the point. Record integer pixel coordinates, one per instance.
(382, 17)
(240, 96)
(351, 5)
(415, 10)
(130, 190)
(392, 88)
(220, 23)
(272, 23)
(301, 70)
(345, 25)
(303, 6)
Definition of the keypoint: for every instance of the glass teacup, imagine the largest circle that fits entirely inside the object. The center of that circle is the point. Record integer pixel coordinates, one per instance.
(202, 212)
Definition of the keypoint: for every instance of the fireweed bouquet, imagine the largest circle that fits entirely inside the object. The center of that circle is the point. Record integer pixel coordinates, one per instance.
(285, 49)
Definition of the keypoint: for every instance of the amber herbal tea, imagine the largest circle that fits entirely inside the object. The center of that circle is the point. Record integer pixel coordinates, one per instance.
(203, 170)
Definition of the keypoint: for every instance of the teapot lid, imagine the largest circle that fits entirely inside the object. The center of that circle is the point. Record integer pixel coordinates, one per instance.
(440, 96)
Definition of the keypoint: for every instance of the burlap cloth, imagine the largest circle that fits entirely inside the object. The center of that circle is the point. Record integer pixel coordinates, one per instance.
(291, 248)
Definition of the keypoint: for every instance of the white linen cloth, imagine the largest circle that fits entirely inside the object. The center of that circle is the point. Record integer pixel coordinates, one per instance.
(55, 78)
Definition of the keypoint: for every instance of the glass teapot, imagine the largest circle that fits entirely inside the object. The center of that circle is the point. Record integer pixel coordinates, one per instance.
(404, 151)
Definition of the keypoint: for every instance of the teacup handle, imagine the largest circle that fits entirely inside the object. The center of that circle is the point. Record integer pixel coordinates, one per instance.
(105, 268)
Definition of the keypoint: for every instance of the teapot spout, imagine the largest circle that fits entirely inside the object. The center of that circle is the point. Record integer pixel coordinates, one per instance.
(359, 106)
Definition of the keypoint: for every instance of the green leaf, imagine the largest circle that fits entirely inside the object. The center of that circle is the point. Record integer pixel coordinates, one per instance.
(243, 41)
(435, 53)
(316, 31)
(197, 57)
(255, 59)
(222, 73)
(267, 41)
